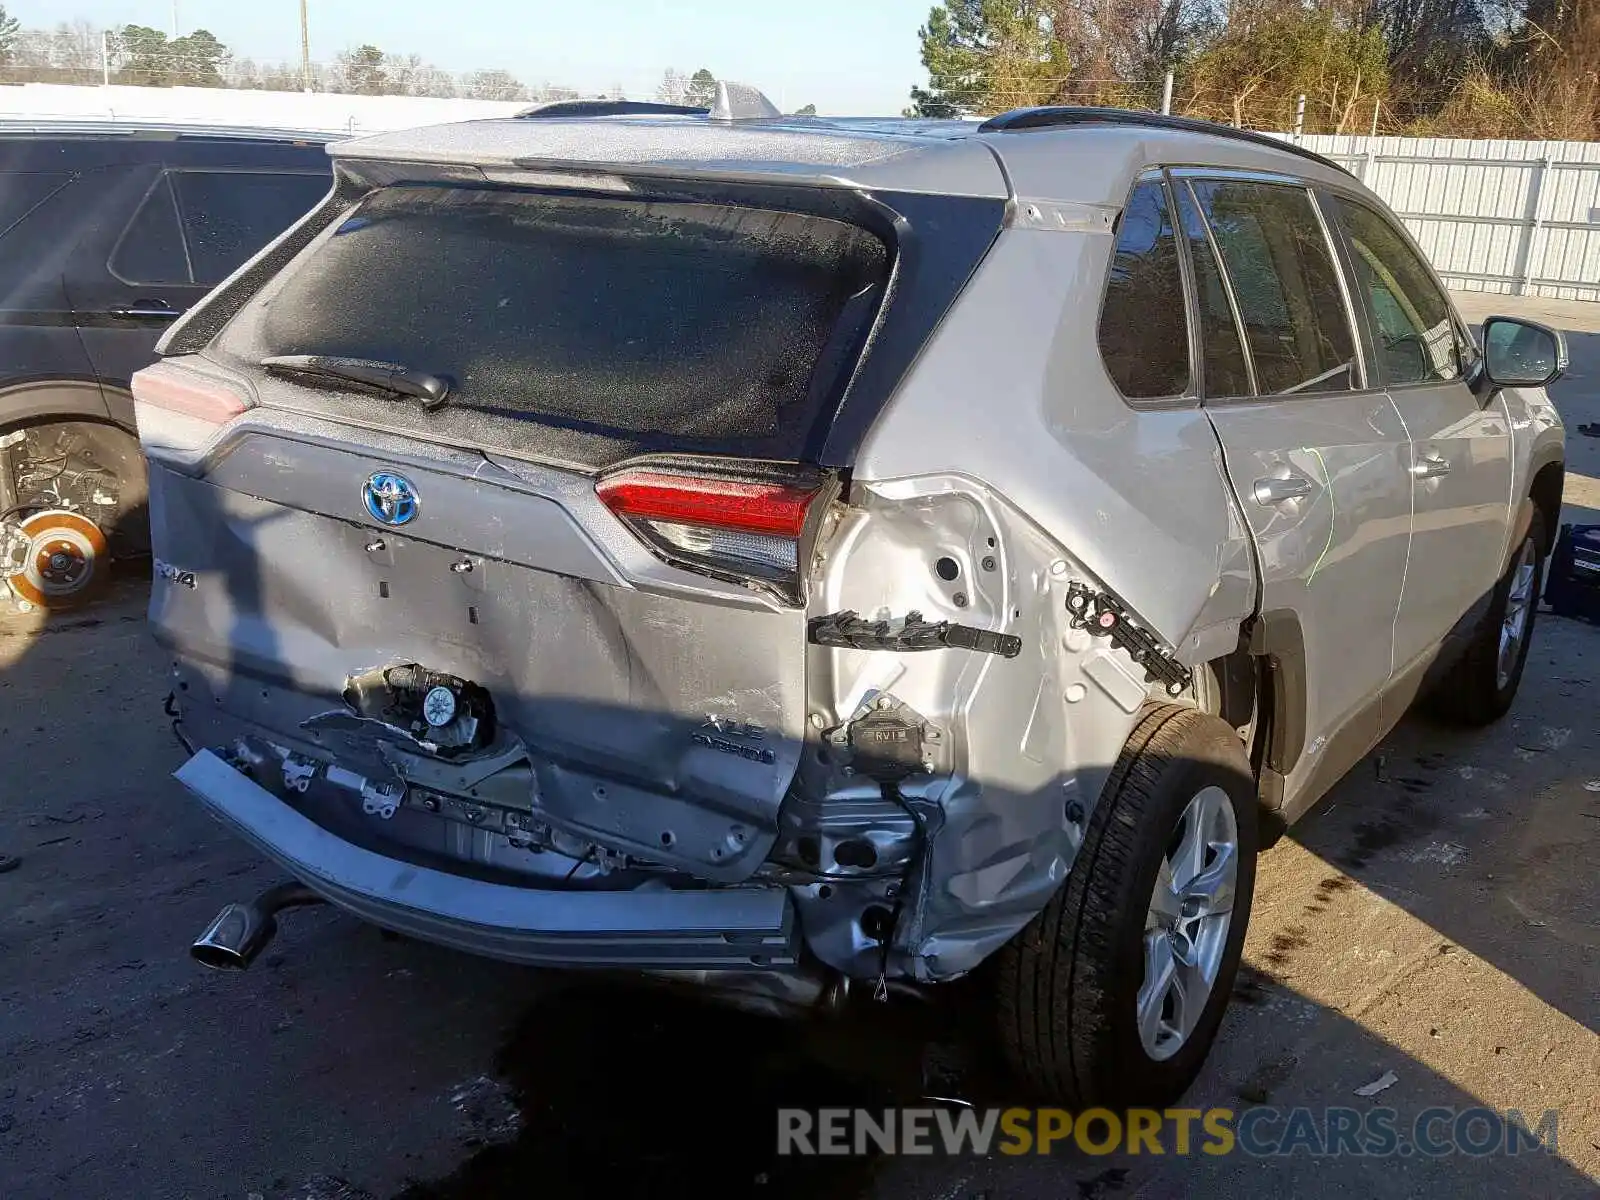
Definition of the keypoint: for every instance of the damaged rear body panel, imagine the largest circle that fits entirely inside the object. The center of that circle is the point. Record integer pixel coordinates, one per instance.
(299, 608)
(667, 596)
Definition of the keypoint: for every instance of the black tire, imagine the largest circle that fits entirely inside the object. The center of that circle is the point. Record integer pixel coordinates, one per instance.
(1066, 986)
(1472, 692)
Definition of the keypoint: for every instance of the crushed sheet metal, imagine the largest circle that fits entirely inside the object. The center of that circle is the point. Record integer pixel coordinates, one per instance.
(998, 840)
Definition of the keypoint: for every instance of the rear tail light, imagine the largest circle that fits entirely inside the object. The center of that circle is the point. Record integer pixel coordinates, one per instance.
(181, 410)
(748, 531)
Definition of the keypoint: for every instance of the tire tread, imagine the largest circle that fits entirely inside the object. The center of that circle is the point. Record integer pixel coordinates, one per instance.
(1051, 978)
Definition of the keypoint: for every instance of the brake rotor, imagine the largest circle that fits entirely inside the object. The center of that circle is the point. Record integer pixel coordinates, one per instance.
(64, 560)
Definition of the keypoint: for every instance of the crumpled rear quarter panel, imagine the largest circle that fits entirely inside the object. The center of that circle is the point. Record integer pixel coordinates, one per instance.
(1020, 748)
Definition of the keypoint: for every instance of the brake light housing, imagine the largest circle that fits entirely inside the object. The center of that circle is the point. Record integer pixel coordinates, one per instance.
(753, 525)
(179, 410)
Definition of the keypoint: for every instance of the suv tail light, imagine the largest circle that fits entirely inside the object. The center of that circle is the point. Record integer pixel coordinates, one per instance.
(748, 530)
(181, 410)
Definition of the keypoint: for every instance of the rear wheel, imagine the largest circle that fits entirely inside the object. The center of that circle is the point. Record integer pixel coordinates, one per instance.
(1481, 686)
(1114, 993)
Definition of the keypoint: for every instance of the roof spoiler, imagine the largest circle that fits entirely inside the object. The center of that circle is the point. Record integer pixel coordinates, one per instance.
(612, 108)
(735, 102)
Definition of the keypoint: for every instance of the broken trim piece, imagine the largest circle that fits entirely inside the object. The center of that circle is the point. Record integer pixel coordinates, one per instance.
(851, 631)
(1103, 615)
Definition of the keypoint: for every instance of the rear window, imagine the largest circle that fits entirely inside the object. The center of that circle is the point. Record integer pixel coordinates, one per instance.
(585, 326)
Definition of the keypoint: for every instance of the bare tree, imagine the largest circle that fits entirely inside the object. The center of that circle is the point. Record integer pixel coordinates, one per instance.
(493, 85)
(673, 88)
(69, 53)
(75, 46)
(408, 75)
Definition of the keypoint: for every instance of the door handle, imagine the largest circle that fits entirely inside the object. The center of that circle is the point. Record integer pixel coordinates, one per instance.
(1430, 466)
(1276, 489)
(146, 308)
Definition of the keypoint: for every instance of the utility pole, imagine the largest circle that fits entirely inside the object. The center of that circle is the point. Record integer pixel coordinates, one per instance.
(105, 57)
(1166, 95)
(305, 49)
(174, 20)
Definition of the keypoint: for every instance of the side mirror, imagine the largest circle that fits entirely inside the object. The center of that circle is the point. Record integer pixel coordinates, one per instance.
(1521, 354)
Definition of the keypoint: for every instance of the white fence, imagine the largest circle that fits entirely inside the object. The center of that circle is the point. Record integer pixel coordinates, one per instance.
(1519, 218)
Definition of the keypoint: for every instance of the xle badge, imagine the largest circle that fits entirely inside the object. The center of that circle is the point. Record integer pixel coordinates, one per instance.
(719, 733)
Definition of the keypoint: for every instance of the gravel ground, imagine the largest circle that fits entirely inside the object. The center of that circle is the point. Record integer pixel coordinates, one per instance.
(1434, 918)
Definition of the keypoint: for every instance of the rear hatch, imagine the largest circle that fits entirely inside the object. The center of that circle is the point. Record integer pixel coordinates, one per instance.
(565, 446)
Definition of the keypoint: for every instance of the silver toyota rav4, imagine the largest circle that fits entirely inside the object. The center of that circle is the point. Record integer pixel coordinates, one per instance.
(792, 554)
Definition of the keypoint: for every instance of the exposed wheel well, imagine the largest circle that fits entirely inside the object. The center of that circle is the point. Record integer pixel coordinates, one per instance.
(82, 462)
(1545, 492)
(1252, 689)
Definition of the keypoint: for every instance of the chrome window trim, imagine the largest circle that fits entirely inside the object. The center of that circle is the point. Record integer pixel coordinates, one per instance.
(1227, 290)
(1309, 189)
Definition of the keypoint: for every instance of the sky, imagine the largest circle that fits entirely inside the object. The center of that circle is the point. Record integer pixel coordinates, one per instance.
(855, 57)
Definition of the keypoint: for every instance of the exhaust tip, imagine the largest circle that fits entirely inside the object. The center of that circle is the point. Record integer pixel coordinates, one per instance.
(218, 958)
(235, 936)
(241, 931)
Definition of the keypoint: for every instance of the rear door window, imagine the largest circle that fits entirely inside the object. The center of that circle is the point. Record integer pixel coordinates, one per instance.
(583, 328)
(151, 248)
(1144, 335)
(228, 215)
(198, 227)
(1281, 268)
(1411, 317)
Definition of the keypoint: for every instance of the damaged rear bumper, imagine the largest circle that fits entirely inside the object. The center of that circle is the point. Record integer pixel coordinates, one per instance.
(728, 928)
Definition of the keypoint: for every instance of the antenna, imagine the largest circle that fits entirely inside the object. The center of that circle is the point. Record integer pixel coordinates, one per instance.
(741, 102)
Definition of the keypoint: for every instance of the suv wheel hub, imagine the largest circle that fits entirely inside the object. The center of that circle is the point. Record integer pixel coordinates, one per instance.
(1187, 922)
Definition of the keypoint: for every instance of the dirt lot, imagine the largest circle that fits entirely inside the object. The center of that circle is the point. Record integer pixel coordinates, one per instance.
(1436, 917)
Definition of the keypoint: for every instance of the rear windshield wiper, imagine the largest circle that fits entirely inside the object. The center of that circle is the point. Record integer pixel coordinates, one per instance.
(390, 378)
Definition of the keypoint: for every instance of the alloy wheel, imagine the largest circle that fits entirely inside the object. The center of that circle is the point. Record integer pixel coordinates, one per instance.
(1187, 922)
(1520, 599)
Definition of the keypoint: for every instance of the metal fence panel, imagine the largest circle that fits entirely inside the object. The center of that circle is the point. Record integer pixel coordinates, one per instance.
(1520, 218)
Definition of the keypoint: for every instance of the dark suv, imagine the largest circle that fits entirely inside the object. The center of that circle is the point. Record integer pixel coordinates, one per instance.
(107, 233)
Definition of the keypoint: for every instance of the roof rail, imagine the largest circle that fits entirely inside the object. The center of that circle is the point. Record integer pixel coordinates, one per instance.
(133, 127)
(1059, 116)
(612, 108)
